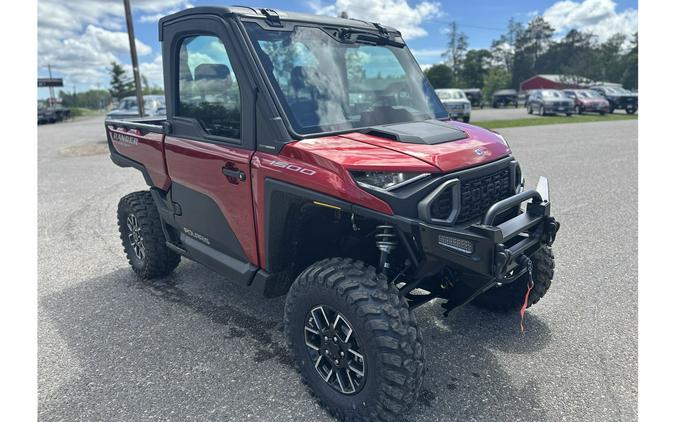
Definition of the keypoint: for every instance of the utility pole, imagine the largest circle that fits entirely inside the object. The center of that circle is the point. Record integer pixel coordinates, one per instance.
(51, 88)
(134, 58)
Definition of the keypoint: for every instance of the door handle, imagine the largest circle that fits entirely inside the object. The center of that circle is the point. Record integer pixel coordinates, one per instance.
(234, 173)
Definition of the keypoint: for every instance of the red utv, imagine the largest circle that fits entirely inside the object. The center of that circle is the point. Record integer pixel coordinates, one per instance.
(309, 157)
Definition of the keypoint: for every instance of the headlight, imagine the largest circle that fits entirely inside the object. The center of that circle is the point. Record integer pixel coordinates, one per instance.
(501, 138)
(385, 180)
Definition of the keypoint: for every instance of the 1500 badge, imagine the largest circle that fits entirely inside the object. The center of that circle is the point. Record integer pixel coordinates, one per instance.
(125, 139)
(293, 167)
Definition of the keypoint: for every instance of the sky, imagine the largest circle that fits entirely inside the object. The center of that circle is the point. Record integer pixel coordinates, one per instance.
(80, 38)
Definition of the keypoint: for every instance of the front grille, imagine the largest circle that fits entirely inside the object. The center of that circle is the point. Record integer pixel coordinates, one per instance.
(476, 196)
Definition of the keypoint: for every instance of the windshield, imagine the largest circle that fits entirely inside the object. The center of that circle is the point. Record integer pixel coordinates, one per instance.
(551, 94)
(127, 104)
(326, 85)
(589, 94)
(450, 95)
(617, 90)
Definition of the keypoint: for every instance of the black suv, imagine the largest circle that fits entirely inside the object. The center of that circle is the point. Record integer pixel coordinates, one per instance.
(618, 97)
(504, 97)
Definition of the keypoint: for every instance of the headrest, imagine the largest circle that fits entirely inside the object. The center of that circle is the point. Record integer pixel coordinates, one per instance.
(206, 71)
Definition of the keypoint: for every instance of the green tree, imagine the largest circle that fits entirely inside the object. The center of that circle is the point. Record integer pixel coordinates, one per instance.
(503, 48)
(440, 76)
(120, 84)
(94, 99)
(475, 67)
(150, 89)
(574, 56)
(458, 44)
(629, 78)
(496, 78)
(530, 45)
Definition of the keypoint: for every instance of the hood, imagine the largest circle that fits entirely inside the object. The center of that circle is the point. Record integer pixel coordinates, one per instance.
(458, 101)
(448, 146)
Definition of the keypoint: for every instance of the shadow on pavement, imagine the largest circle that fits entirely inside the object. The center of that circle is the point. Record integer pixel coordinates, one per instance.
(146, 349)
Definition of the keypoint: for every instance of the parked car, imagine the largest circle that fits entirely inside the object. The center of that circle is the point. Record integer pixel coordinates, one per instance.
(587, 100)
(549, 101)
(504, 97)
(52, 114)
(619, 98)
(475, 97)
(455, 101)
(46, 115)
(357, 217)
(128, 107)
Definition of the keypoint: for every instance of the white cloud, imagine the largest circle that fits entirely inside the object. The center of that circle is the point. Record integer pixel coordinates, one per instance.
(154, 18)
(396, 13)
(597, 16)
(80, 38)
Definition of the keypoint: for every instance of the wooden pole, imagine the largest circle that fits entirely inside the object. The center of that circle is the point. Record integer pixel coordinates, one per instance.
(134, 58)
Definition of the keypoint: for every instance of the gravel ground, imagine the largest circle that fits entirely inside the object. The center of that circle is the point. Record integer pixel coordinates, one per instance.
(197, 347)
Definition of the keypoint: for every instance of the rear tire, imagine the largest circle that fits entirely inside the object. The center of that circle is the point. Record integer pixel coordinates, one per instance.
(510, 297)
(466, 119)
(529, 109)
(384, 331)
(142, 236)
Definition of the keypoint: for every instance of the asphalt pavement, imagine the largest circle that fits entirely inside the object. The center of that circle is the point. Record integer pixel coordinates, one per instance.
(197, 347)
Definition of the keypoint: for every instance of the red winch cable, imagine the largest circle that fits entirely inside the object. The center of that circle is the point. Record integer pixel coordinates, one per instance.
(530, 285)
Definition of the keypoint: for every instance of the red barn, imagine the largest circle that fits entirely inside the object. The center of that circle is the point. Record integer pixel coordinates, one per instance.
(554, 82)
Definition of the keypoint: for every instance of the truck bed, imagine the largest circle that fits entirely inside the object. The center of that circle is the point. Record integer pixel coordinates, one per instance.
(139, 143)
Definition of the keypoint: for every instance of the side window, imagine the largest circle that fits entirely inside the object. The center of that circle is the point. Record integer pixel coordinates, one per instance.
(207, 86)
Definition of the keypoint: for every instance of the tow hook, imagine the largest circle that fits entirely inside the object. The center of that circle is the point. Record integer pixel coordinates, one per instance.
(502, 257)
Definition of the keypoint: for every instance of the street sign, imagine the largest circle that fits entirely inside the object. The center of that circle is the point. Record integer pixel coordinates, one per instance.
(42, 82)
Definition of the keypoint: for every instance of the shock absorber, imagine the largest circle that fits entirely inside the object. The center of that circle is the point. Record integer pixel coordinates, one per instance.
(386, 240)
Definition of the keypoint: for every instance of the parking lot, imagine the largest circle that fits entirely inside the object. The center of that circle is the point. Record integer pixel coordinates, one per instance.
(508, 113)
(197, 347)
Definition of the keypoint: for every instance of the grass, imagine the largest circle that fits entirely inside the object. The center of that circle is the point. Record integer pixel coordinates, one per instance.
(80, 112)
(553, 120)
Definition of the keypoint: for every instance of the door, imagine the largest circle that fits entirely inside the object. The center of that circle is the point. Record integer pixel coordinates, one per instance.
(208, 151)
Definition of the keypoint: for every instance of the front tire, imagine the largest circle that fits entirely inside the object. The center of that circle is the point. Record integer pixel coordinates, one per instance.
(509, 297)
(466, 119)
(142, 236)
(341, 292)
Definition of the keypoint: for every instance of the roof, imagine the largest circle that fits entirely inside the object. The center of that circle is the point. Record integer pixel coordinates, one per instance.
(560, 79)
(257, 12)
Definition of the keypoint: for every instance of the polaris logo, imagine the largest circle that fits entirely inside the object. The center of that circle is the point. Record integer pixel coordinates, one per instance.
(293, 167)
(125, 139)
(479, 152)
(197, 236)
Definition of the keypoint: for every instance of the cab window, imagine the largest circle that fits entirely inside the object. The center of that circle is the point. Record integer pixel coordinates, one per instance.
(207, 87)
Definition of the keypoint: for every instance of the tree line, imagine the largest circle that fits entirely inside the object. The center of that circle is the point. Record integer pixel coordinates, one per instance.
(527, 50)
(121, 85)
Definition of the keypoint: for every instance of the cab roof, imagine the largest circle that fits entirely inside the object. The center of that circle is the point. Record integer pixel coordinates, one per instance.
(272, 14)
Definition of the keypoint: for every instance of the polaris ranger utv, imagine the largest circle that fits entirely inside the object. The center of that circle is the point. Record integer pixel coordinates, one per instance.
(309, 157)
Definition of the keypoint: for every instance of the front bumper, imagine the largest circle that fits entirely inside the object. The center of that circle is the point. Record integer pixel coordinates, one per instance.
(553, 109)
(491, 249)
